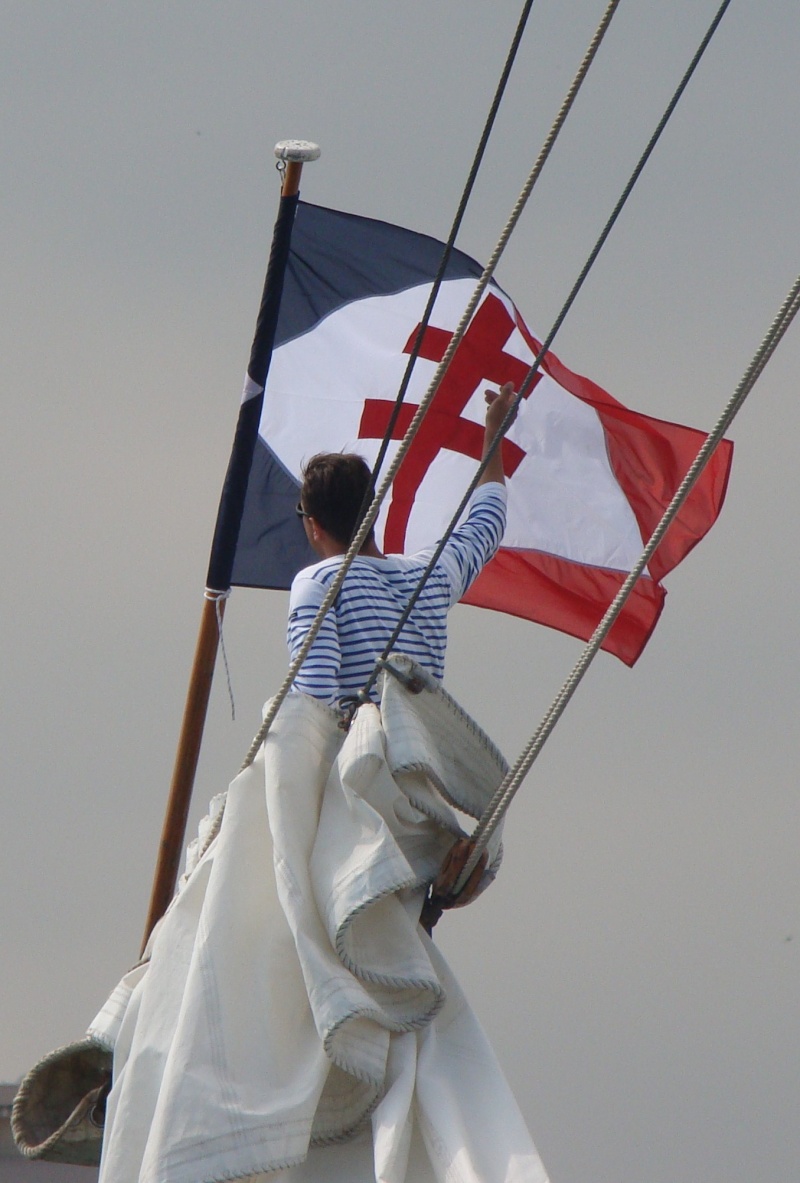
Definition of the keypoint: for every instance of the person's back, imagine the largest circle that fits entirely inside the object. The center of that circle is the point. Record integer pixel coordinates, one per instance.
(377, 588)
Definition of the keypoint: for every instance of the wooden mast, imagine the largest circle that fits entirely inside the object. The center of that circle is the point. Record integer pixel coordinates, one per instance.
(294, 153)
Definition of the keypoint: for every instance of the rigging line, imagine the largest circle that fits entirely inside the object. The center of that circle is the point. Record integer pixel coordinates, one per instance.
(513, 779)
(372, 512)
(529, 377)
(445, 259)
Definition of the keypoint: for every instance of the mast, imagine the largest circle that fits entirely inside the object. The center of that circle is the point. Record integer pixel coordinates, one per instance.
(291, 154)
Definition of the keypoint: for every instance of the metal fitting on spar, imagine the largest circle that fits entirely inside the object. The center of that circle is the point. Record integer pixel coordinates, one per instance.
(299, 151)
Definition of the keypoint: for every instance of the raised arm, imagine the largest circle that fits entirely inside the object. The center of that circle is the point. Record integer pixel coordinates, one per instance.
(497, 407)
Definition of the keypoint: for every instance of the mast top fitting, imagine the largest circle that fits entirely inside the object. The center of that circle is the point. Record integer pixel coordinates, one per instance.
(300, 151)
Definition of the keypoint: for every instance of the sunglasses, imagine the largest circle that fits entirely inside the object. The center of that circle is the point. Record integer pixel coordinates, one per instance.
(301, 513)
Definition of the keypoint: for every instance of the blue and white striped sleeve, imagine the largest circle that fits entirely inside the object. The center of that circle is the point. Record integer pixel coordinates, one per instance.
(319, 673)
(471, 546)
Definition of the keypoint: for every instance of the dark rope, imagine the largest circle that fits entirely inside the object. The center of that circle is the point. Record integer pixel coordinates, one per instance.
(530, 376)
(445, 259)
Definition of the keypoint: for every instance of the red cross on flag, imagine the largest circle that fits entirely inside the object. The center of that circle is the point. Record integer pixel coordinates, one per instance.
(588, 480)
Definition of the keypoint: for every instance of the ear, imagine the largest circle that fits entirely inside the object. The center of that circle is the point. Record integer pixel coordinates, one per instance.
(323, 543)
(317, 536)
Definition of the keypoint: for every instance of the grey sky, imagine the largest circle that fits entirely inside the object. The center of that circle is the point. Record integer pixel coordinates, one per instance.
(637, 965)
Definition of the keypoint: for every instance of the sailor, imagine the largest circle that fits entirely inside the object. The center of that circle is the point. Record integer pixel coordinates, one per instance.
(378, 587)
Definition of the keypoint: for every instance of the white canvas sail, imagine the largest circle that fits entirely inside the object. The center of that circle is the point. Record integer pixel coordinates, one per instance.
(293, 1022)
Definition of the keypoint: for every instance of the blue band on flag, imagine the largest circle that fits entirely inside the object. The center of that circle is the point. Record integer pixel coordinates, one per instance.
(234, 490)
(335, 259)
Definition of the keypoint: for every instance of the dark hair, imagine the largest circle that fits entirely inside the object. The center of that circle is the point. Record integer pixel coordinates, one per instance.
(334, 486)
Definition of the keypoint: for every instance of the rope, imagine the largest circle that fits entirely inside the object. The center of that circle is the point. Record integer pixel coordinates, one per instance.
(217, 597)
(372, 512)
(507, 790)
(529, 377)
(445, 259)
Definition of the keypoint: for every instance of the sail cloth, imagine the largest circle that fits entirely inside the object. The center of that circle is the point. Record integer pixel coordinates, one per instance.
(291, 1002)
(588, 479)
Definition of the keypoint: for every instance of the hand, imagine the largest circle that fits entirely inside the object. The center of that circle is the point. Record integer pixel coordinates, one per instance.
(498, 405)
(453, 865)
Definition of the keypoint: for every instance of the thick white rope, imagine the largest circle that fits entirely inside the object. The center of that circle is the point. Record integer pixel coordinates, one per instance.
(499, 804)
(386, 483)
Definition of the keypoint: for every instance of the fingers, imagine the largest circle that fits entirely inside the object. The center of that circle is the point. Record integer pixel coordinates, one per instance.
(453, 865)
(498, 405)
(506, 392)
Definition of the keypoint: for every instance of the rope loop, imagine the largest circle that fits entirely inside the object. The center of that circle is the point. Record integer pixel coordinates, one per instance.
(348, 709)
(218, 598)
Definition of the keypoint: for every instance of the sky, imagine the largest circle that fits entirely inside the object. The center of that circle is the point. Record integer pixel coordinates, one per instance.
(637, 964)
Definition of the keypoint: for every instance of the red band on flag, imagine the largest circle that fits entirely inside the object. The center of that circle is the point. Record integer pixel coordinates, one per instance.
(479, 359)
(650, 458)
(568, 596)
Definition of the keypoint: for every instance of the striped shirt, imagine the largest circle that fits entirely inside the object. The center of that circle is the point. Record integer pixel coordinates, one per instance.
(375, 593)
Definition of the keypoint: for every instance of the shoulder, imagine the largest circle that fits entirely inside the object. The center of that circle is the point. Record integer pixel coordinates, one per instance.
(309, 585)
(316, 570)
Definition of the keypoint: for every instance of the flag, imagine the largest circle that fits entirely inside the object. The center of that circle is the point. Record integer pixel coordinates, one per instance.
(588, 480)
